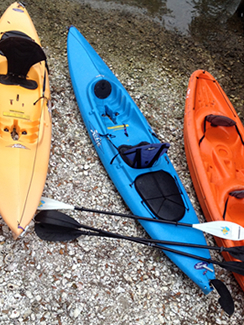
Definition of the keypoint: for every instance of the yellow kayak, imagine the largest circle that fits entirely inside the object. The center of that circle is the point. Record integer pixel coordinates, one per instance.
(25, 119)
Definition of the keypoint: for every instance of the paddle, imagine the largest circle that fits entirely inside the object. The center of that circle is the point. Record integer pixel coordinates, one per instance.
(53, 234)
(222, 229)
(57, 226)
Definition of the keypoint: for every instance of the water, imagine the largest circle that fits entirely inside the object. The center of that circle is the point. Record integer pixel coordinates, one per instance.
(183, 13)
(178, 15)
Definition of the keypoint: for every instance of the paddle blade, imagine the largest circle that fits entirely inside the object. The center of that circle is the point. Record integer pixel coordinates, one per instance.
(237, 252)
(56, 233)
(51, 204)
(225, 300)
(56, 218)
(222, 229)
(233, 266)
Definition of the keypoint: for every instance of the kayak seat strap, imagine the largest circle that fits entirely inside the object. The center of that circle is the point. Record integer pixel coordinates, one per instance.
(22, 53)
(219, 120)
(161, 194)
(142, 155)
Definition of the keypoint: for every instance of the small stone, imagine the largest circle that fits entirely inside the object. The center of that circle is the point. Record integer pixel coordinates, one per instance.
(9, 258)
(27, 313)
(29, 294)
(14, 314)
(33, 317)
(76, 313)
(38, 298)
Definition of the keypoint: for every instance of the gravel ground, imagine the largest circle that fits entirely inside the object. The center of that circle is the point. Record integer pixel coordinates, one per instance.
(102, 281)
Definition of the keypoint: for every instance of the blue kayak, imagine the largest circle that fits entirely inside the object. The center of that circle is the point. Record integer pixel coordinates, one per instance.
(134, 158)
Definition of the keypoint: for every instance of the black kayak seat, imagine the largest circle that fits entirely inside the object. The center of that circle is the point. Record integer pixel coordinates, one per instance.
(142, 155)
(161, 194)
(219, 120)
(22, 53)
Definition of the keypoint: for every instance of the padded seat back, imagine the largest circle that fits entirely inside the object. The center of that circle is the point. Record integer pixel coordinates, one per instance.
(21, 53)
(142, 155)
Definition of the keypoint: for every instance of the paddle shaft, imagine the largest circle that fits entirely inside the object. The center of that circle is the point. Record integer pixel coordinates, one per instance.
(236, 251)
(149, 242)
(132, 216)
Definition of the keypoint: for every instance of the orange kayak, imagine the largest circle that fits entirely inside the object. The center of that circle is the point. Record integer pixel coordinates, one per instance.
(25, 119)
(214, 146)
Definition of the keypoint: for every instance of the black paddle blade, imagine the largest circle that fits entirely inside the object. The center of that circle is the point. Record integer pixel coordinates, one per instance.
(237, 252)
(56, 233)
(56, 218)
(225, 300)
(232, 266)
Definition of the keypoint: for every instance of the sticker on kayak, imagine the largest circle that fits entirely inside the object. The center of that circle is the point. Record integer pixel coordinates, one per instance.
(118, 127)
(202, 266)
(16, 114)
(96, 137)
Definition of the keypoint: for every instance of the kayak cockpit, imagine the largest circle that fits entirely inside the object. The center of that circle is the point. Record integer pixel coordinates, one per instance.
(111, 101)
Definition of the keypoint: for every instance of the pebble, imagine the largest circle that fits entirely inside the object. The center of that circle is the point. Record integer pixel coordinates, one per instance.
(29, 294)
(9, 258)
(14, 314)
(76, 313)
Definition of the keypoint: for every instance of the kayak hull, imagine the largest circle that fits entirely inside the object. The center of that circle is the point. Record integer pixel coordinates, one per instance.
(113, 119)
(25, 130)
(214, 149)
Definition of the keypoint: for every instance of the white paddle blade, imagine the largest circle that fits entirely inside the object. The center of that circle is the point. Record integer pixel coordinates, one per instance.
(51, 204)
(222, 229)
